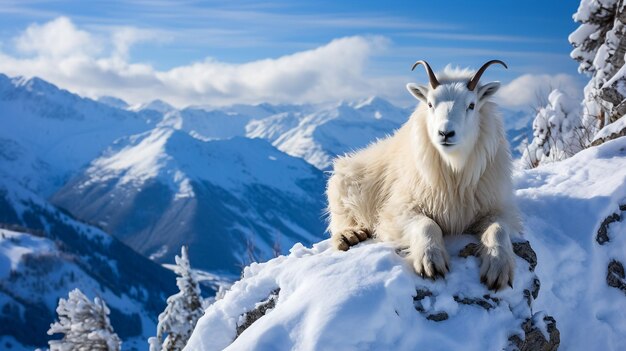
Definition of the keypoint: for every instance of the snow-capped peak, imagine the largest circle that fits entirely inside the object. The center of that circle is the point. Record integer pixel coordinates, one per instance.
(154, 105)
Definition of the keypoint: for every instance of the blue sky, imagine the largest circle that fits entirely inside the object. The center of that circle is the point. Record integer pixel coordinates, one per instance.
(531, 36)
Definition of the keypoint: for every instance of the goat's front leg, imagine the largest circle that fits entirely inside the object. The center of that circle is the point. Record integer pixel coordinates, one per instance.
(498, 260)
(427, 251)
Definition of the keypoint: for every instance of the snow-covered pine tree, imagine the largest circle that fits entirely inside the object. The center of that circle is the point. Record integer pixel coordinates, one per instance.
(183, 310)
(558, 132)
(599, 46)
(84, 324)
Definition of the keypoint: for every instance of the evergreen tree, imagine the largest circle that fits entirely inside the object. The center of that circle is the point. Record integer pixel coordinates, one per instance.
(84, 324)
(599, 46)
(183, 310)
(558, 132)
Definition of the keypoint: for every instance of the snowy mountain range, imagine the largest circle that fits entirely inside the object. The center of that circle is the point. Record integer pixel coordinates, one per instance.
(236, 184)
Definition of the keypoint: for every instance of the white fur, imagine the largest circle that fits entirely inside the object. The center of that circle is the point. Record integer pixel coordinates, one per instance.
(410, 189)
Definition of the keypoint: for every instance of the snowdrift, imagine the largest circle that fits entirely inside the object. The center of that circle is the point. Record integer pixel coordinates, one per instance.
(369, 297)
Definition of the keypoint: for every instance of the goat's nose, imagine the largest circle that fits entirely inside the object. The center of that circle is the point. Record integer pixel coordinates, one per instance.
(446, 134)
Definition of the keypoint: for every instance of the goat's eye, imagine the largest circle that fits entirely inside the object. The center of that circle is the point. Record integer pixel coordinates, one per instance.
(471, 106)
(430, 105)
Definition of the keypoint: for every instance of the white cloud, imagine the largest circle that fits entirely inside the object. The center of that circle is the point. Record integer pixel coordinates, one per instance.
(56, 38)
(529, 89)
(63, 54)
(98, 63)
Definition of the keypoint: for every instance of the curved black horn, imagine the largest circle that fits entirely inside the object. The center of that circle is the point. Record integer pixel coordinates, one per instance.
(471, 85)
(434, 83)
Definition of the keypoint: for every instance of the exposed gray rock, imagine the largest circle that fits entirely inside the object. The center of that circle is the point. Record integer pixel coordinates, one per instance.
(484, 302)
(526, 252)
(534, 340)
(437, 317)
(615, 276)
(602, 236)
(259, 311)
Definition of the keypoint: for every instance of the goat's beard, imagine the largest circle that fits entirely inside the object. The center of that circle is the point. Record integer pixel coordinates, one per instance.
(454, 156)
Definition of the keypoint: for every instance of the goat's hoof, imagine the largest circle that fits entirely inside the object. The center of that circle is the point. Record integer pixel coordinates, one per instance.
(497, 269)
(431, 262)
(350, 237)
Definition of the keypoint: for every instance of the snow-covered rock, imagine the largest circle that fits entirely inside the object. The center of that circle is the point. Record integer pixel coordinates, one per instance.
(612, 131)
(367, 298)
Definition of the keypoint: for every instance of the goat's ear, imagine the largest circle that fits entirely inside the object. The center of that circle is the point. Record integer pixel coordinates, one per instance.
(488, 90)
(419, 91)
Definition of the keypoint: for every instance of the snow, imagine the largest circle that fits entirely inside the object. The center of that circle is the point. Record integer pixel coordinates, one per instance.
(363, 298)
(14, 245)
(155, 105)
(563, 204)
(177, 158)
(360, 299)
(619, 75)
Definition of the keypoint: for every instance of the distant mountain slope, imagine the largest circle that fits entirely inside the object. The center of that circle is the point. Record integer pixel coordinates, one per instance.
(164, 188)
(321, 135)
(48, 133)
(44, 253)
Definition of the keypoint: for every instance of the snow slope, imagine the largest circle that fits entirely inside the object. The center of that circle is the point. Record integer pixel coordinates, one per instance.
(229, 200)
(565, 205)
(368, 297)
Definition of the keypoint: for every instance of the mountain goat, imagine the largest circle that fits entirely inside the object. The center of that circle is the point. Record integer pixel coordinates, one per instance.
(444, 172)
